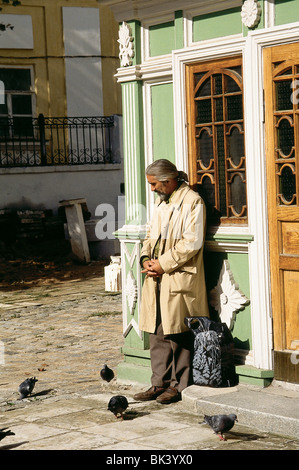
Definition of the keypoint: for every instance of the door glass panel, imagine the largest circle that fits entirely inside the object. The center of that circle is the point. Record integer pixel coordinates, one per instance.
(231, 85)
(205, 150)
(207, 190)
(288, 184)
(234, 107)
(238, 194)
(204, 89)
(283, 95)
(217, 84)
(204, 111)
(218, 103)
(236, 146)
(285, 137)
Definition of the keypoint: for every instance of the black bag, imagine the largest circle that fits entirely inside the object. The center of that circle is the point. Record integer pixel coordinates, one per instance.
(213, 360)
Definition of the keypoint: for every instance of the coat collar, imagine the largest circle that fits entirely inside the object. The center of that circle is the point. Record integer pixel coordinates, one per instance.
(177, 196)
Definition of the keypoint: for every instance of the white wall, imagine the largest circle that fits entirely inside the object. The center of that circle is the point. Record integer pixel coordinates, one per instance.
(43, 187)
(82, 44)
(21, 36)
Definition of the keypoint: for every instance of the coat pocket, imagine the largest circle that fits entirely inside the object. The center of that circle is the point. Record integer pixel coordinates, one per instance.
(182, 282)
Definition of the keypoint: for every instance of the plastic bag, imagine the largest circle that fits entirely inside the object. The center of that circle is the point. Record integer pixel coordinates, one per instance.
(213, 360)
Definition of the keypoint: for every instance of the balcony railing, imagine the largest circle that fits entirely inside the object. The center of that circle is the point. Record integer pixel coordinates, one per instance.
(52, 141)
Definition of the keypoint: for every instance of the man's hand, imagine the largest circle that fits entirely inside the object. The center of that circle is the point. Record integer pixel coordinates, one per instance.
(152, 268)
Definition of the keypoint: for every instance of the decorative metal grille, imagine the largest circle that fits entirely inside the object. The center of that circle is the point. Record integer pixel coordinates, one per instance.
(46, 141)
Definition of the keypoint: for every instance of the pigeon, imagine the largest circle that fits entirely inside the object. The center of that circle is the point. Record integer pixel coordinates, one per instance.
(117, 405)
(220, 423)
(4, 433)
(107, 373)
(26, 387)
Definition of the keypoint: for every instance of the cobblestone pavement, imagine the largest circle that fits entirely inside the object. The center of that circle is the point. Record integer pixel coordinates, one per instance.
(62, 331)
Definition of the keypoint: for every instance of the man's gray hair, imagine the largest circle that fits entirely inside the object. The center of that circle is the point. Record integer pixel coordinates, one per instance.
(164, 170)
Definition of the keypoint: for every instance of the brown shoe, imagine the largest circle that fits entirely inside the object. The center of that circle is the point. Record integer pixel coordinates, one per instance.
(171, 395)
(151, 394)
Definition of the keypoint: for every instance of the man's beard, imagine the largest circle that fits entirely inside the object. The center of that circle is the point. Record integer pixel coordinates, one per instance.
(163, 196)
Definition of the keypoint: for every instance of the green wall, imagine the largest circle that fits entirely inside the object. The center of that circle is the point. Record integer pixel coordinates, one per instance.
(162, 38)
(239, 266)
(286, 11)
(163, 121)
(217, 24)
(168, 36)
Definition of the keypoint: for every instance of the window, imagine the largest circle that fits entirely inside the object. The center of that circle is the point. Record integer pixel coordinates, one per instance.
(216, 139)
(16, 106)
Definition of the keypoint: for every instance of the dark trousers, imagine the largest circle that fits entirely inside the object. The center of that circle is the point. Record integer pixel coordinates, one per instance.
(171, 356)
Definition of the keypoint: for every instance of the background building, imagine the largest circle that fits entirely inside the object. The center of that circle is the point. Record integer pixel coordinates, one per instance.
(60, 111)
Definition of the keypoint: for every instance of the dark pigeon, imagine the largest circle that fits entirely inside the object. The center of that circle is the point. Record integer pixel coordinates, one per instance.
(107, 373)
(4, 433)
(221, 423)
(117, 405)
(26, 387)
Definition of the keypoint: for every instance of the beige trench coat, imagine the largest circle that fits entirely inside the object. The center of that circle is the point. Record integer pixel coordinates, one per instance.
(180, 227)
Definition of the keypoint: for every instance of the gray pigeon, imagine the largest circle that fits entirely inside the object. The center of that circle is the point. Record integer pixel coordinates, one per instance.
(26, 387)
(117, 405)
(107, 373)
(4, 433)
(220, 423)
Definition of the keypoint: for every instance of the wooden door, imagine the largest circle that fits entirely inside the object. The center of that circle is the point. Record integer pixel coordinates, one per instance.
(281, 88)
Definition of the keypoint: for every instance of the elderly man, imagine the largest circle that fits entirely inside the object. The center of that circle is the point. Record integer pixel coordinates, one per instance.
(174, 286)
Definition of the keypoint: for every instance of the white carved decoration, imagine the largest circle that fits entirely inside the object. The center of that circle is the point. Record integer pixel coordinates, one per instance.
(126, 46)
(226, 297)
(131, 292)
(113, 275)
(251, 13)
(130, 287)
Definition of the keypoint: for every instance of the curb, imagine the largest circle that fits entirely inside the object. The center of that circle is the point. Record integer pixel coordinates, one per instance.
(263, 410)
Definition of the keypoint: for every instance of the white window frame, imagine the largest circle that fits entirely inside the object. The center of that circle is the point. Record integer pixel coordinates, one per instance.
(30, 92)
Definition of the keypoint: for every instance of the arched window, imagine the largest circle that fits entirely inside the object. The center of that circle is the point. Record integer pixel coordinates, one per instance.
(216, 138)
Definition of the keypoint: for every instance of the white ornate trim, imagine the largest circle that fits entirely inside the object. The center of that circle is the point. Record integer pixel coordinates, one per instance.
(131, 285)
(226, 297)
(251, 13)
(131, 292)
(126, 46)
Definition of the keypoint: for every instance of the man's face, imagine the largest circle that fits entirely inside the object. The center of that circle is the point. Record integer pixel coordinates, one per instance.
(162, 188)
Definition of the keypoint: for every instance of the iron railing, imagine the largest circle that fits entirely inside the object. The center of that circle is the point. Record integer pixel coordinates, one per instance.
(46, 141)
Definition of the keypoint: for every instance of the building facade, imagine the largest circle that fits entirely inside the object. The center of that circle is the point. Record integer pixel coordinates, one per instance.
(213, 87)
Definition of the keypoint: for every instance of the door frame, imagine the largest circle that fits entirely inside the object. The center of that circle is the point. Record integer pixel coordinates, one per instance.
(255, 132)
(251, 48)
(283, 264)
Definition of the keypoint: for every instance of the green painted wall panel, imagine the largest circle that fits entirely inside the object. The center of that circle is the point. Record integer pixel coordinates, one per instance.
(163, 121)
(217, 24)
(239, 266)
(162, 38)
(242, 328)
(133, 150)
(286, 11)
(179, 29)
